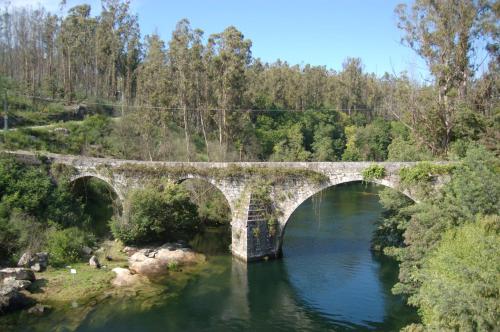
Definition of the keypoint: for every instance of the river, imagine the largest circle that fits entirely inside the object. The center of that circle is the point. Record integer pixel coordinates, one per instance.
(327, 280)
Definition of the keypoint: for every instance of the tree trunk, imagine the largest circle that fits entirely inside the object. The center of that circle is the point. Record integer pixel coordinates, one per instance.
(186, 132)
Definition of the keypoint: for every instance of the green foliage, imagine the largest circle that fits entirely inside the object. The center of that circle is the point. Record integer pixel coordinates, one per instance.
(373, 172)
(394, 220)
(461, 279)
(292, 147)
(369, 142)
(65, 245)
(420, 177)
(158, 214)
(272, 174)
(30, 202)
(473, 191)
(406, 150)
(90, 136)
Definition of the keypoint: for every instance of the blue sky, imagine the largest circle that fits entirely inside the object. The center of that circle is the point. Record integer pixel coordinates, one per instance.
(318, 32)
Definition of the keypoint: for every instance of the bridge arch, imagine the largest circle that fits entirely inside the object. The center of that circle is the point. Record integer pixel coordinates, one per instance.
(216, 184)
(291, 208)
(108, 181)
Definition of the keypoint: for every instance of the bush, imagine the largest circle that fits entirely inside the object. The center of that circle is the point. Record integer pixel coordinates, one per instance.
(460, 279)
(158, 214)
(65, 246)
(373, 172)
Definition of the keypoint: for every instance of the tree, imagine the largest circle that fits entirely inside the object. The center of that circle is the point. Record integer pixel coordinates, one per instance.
(231, 57)
(445, 34)
(158, 214)
(461, 279)
(184, 53)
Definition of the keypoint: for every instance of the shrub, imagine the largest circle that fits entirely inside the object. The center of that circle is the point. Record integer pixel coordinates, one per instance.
(65, 246)
(422, 172)
(373, 172)
(460, 278)
(158, 214)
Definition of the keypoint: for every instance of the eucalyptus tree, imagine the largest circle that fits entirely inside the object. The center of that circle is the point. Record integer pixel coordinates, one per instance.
(447, 35)
(185, 54)
(232, 55)
(77, 31)
(152, 88)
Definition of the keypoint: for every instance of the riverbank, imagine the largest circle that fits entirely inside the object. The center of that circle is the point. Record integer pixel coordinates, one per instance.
(72, 296)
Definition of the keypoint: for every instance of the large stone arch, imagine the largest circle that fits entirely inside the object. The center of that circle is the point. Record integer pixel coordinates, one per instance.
(289, 207)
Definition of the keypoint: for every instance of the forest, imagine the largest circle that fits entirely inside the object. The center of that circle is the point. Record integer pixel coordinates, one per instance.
(96, 86)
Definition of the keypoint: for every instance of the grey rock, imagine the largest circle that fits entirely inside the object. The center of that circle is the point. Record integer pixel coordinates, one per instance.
(11, 282)
(39, 309)
(24, 260)
(11, 299)
(94, 262)
(37, 262)
(86, 250)
(129, 250)
(43, 259)
(18, 273)
(36, 267)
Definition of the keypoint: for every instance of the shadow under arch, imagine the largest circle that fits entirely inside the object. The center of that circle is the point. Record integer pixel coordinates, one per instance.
(214, 211)
(286, 217)
(104, 179)
(102, 201)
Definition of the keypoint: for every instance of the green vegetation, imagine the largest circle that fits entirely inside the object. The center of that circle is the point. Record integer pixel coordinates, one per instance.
(88, 137)
(30, 203)
(156, 214)
(373, 172)
(213, 208)
(207, 99)
(65, 245)
(424, 237)
(461, 279)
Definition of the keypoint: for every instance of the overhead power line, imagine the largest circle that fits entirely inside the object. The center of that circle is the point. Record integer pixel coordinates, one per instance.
(213, 109)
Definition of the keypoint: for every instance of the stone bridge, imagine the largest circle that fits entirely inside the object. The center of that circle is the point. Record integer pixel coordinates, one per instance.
(258, 223)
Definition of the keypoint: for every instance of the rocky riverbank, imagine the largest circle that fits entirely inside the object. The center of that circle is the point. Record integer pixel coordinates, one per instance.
(78, 288)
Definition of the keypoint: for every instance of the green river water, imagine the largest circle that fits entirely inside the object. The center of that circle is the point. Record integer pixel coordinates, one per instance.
(328, 280)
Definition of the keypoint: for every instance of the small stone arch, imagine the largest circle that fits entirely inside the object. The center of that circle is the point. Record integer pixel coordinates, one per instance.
(105, 179)
(284, 219)
(216, 184)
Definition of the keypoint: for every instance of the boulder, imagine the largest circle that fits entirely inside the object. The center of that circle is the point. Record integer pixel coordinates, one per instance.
(37, 262)
(17, 284)
(24, 260)
(130, 250)
(11, 299)
(183, 256)
(124, 277)
(36, 267)
(18, 273)
(155, 262)
(39, 309)
(94, 262)
(43, 260)
(86, 250)
(141, 264)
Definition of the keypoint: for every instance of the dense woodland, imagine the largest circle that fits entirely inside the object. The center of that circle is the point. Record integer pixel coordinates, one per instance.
(217, 102)
(206, 98)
